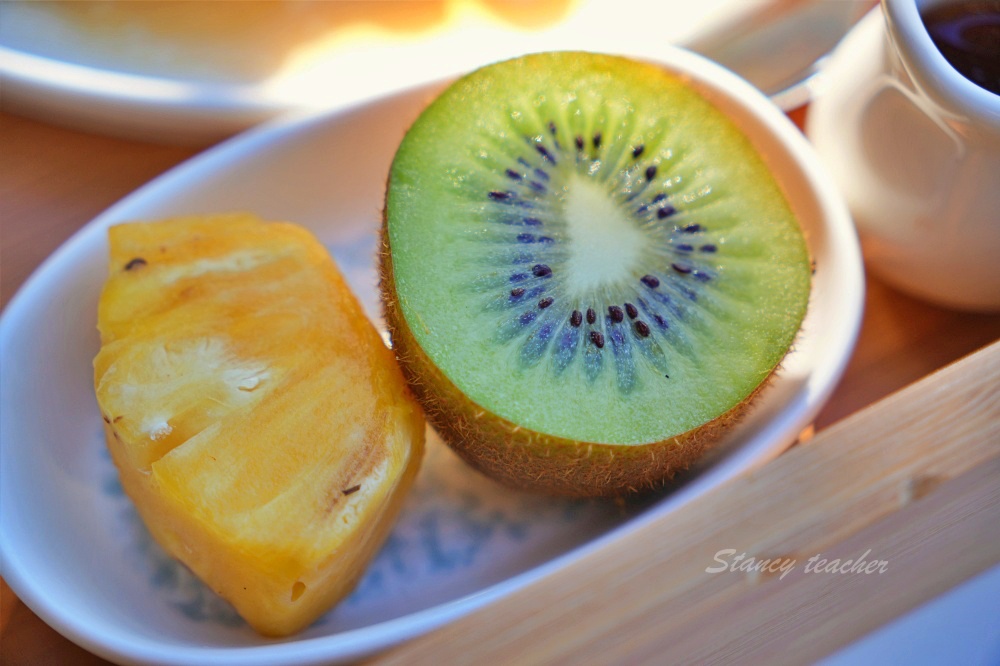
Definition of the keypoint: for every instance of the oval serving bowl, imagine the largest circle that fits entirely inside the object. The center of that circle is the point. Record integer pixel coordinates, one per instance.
(74, 549)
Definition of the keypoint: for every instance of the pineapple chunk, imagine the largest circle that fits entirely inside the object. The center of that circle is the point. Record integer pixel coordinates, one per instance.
(258, 422)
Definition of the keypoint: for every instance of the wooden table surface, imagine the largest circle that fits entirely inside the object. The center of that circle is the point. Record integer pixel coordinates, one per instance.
(54, 180)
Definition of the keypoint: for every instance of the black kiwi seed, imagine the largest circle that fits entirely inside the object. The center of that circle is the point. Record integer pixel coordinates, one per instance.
(579, 142)
(545, 302)
(517, 291)
(651, 172)
(665, 212)
(544, 152)
(597, 339)
(650, 281)
(591, 316)
(597, 140)
(637, 151)
(684, 270)
(642, 328)
(616, 313)
(576, 318)
(631, 311)
(541, 270)
(707, 248)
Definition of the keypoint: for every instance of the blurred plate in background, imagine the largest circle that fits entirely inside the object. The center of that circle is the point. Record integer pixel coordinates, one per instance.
(197, 72)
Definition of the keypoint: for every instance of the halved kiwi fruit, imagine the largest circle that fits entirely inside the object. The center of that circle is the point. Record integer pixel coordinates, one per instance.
(587, 271)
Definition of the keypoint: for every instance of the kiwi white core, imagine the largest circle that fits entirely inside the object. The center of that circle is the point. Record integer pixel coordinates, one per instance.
(604, 245)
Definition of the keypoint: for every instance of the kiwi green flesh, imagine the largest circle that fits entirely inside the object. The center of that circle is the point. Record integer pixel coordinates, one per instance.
(608, 186)
(529, 460)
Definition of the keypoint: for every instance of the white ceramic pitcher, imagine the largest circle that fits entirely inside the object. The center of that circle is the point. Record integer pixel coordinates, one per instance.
(915, 148)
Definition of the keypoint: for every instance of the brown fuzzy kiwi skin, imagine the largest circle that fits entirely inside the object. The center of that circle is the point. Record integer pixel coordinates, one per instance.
(529, 460)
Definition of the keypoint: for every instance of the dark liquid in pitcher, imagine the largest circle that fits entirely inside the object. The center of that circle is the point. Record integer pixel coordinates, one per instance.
(968, 36)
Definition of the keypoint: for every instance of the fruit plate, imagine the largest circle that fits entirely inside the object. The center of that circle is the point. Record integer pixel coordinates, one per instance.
(74, 550)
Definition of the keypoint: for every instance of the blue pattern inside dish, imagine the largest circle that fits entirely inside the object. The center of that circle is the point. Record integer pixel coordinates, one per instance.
(456, 528)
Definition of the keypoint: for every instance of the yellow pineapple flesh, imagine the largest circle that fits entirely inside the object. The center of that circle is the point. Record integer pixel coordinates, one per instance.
(258, 422)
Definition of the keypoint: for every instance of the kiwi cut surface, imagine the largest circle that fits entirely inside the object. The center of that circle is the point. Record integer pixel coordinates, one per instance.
(586, 263)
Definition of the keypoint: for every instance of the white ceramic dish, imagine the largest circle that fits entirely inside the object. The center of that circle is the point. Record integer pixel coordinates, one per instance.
(72, 547)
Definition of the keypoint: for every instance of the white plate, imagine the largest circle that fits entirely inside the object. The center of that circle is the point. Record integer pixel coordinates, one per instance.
(72, 546)
(175, 72)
